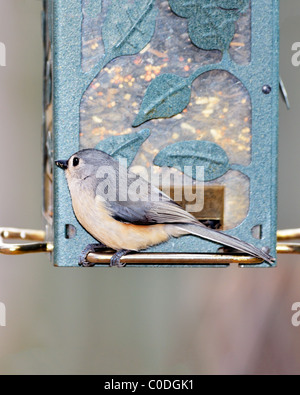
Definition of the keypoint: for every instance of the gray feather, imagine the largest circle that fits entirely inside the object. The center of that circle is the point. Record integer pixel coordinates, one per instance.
(224, 239)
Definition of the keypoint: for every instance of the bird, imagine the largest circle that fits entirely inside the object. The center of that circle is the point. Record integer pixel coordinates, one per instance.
(106, 206)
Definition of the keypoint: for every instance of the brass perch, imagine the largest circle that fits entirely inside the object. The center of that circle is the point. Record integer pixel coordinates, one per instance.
(37, 244)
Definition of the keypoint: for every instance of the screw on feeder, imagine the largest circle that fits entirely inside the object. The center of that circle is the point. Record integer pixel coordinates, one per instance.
(267, 89)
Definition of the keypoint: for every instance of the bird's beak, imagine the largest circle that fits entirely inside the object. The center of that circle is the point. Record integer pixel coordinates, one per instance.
(63, 164)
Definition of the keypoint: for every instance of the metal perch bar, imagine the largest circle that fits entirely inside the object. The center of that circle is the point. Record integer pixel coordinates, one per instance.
(288, 248)
(175, 259)
(38, 236)
(41, 245)
(288, 234)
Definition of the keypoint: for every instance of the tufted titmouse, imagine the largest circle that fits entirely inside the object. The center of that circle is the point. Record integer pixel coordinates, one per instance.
(106, 206)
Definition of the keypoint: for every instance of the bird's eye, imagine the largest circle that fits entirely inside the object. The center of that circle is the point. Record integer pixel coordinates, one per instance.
(75, 162)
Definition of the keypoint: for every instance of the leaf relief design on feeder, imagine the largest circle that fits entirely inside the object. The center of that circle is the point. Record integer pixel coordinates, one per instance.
(168, 95)
(211, 23)
(126, 29)
(211, 27)
(188, 155)
(124, 146)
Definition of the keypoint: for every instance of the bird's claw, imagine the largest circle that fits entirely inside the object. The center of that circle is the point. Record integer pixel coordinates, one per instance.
(91, 248)
(116, 258)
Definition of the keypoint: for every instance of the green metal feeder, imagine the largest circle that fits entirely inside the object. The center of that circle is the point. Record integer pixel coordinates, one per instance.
(168, 85)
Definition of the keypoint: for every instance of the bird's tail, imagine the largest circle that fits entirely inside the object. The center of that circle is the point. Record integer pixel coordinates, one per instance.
(224, 239)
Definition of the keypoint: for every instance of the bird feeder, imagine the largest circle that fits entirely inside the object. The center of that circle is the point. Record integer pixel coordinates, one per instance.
(171, 86)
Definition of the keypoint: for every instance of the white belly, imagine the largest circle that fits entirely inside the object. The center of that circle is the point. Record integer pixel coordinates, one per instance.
(93, 215)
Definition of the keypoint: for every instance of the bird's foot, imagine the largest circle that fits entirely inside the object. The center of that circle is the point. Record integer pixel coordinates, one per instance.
(91, 248)
(116, 258)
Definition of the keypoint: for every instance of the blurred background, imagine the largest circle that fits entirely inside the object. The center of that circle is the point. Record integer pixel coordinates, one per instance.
(137, 321)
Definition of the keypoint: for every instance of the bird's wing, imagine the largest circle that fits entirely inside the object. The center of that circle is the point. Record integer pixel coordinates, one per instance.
(134, 200)
(169, 212)
(149, 213)
(146, 204)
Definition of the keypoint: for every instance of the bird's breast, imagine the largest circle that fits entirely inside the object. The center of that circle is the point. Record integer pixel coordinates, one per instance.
(95, 217)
